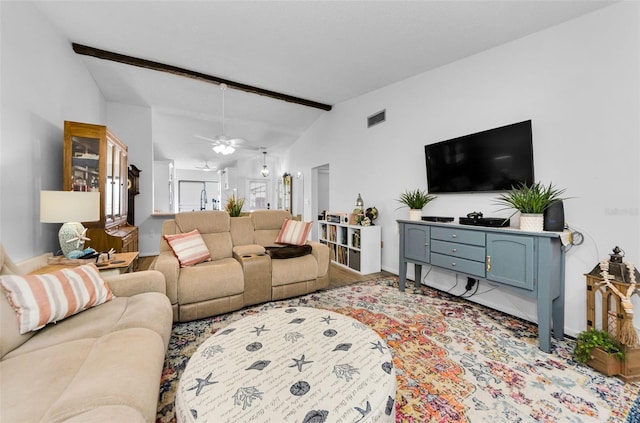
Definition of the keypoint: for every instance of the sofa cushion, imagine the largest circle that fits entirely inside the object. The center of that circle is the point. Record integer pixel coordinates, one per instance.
(210, 280)
(299, 269)
(10, 337)
(219, 244)
(42, 299)
(269, 219)
(288, 251)
(149, 310)
(293, 232)
(242, 230)
(206, 221)
(188, 247)
(69, 379)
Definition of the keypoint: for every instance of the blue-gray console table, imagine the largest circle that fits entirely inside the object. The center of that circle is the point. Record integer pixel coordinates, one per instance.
(530, 263)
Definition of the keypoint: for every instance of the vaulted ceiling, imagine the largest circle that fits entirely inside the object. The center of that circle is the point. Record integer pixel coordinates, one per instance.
(323, 51)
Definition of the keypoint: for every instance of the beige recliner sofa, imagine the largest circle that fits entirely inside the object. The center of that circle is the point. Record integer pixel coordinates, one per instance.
(103, 364)
(240, 272)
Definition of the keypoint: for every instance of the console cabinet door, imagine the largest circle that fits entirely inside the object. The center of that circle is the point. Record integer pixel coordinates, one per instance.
(510, 260)
(416, 243)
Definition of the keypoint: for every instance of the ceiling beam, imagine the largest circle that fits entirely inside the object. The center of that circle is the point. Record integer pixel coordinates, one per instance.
(174, 70)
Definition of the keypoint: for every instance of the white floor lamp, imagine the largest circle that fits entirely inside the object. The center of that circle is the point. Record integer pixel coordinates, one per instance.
(70, 208)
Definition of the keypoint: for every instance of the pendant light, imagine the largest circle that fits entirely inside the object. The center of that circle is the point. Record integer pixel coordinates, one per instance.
(265, 170)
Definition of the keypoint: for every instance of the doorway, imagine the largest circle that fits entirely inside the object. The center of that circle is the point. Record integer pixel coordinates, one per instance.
(320, 199)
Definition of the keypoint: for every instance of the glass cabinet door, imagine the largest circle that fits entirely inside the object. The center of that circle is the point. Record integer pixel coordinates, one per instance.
(85, 160)
(108, 198)
(116, 182)
(124, 179)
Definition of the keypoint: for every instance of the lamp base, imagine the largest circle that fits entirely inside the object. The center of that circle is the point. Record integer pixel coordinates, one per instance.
(71, 237)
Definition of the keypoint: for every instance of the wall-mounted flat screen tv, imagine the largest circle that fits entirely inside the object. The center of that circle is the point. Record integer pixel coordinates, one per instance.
(492, 160)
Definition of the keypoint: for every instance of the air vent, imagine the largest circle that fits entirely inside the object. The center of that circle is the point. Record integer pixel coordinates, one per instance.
(376, 118)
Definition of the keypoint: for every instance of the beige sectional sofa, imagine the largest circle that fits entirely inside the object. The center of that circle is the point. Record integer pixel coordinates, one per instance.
(103, 364)
(240, 272)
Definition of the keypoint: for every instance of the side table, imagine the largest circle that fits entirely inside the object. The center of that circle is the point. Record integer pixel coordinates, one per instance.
(122, 263)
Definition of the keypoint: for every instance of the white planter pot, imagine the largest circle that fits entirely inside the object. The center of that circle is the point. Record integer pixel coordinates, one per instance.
(415, 214)
(532, 222)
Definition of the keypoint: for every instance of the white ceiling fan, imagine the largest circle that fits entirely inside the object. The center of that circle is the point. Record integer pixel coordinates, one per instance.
(223, 144)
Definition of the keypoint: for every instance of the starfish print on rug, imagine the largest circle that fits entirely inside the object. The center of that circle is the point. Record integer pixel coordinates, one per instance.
(300, 362)
(260, 329)
(202, 383)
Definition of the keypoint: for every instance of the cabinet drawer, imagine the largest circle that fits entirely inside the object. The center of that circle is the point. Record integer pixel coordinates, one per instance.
(458, 264)
(458, 235)
(471, 252)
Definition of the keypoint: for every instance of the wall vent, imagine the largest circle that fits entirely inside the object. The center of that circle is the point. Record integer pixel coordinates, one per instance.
(376, 118)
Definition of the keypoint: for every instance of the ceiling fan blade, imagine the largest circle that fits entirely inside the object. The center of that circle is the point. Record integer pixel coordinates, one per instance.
(233, 142)
(247, 147)
(212, 140)
(206, 167)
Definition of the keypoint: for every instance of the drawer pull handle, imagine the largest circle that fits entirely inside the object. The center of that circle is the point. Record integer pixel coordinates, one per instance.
(426, 244)
(454, 250)
(488, 263)
(453, 264)
(454, 236)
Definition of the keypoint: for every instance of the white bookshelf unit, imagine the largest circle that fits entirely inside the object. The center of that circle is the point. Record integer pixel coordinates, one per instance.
(352, 246)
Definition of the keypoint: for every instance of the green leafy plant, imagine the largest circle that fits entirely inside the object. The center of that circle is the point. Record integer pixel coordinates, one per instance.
(234, 206)
(534, 199)
(415, 199)
(595, 338)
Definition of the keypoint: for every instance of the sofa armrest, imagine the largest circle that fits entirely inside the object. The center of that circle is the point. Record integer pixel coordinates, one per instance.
(167, 264)
(129, 284)
(321, 253)
(247, 250)
(34, 263)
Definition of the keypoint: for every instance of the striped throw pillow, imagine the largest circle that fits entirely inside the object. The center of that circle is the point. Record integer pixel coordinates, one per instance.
(42, 299)
(188, 247)
(294, 232)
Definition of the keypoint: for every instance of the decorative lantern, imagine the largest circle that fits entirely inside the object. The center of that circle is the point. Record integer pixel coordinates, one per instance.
(615, 280)
(610, 286)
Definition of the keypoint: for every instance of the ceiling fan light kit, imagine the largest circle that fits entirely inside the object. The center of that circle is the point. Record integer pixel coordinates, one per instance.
(224, 149)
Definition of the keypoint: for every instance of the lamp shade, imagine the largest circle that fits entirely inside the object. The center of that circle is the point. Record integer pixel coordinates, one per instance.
(69, 206)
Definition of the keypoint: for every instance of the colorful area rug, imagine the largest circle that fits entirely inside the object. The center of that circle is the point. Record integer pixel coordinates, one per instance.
(455, 361)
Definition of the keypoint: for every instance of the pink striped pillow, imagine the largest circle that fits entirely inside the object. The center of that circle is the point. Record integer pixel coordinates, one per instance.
(42, 299)
(188, 247)
(294, 232)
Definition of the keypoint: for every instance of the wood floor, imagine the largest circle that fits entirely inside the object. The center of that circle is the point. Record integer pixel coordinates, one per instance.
(340, 276)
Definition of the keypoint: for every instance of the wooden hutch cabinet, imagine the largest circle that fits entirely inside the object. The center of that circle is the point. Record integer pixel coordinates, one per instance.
(96, 160)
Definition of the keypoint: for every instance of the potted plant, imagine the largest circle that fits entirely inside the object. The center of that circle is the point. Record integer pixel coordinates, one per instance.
(531, 201)
(234, 206)
(415, 200)
(600, 350)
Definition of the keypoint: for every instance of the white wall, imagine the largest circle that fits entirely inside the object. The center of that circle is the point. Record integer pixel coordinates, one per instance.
(133, 125)
(578, 82)
(43, 84)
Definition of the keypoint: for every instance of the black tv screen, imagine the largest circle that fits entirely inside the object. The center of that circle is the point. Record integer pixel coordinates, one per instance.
(492, 160)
